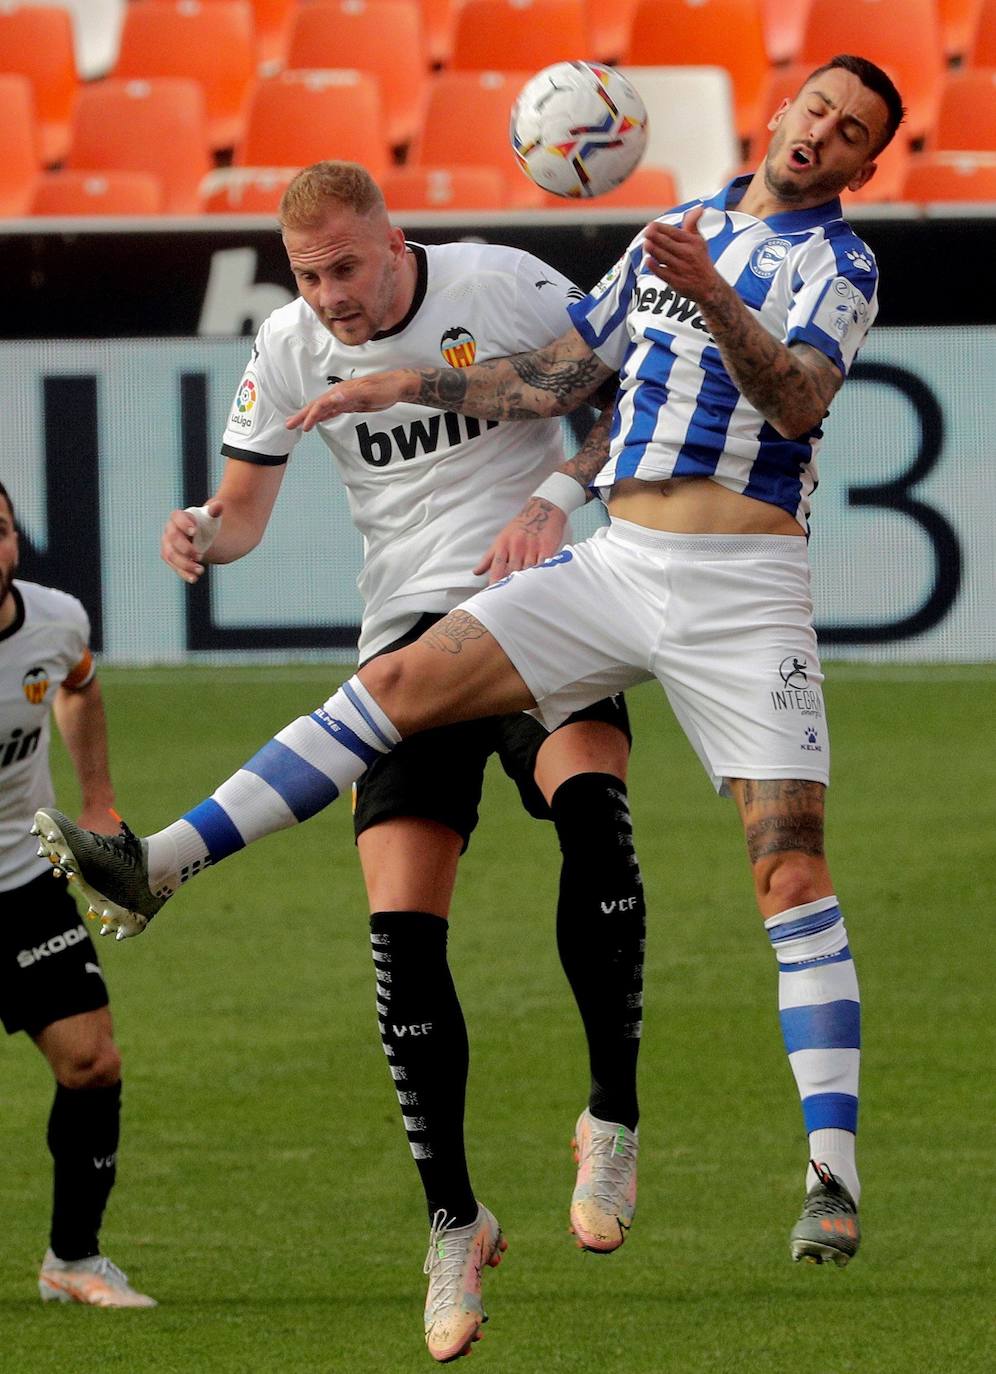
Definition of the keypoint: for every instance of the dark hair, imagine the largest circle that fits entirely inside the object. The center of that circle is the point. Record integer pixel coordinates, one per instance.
(876, 80)
(6, 496)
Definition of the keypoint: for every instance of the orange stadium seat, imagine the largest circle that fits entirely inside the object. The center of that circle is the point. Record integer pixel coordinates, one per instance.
(212, 44)
(648, 188)
(906, 44)
(437, 24)
(951, 177)
(466, 120)
(444, 188)
(608, 28)
(719, 33)
(982, 52)
(36, 41)
(19, 145)
(520, 35)
(958, 19)
(271, 19)
(156, 126)
(244, 190)
(966, 120)
(97, 193)
(301, 117)
(783, 22)
(324, 34)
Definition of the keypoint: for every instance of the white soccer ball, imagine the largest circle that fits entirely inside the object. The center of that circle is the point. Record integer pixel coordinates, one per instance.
(578, 129)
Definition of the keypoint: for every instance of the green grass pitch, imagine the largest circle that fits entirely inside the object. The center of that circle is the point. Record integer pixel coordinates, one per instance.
(265, 1193)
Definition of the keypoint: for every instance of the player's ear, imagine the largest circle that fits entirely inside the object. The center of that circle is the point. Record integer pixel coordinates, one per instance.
(862, 176)
(396, 243)
(779, 114)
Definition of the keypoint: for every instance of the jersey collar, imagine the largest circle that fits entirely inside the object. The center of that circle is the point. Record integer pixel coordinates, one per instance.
(421, 282)
(18, 620)
(787, 220)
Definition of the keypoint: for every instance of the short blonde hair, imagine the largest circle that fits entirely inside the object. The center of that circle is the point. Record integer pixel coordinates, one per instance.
(346, 184)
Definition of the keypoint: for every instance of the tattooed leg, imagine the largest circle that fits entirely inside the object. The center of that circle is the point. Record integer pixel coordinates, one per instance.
(783, 827)
(456, 671)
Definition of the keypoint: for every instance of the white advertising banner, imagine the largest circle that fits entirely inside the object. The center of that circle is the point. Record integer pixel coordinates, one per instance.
(102, 438)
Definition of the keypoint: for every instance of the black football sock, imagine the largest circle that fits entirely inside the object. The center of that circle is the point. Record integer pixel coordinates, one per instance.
(83, 1130)
(425, 1040)
(601, 931)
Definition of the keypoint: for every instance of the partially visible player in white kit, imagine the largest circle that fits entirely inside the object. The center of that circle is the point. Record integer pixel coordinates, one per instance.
(51, 985)
(432, 494)
(733, 322)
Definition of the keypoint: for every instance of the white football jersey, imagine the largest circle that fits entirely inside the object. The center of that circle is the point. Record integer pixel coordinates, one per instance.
(427, 489)
(46, 646)
(804, 275)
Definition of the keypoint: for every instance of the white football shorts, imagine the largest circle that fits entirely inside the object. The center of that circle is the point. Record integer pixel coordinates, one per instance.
(723, 622)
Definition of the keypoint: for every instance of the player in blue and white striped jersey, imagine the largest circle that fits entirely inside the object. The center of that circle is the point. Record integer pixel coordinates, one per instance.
(732, 323)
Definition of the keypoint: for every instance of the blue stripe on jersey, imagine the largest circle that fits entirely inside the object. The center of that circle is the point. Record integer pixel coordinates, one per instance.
(771, 476)
(355, 700)
(305, 788)
(650, 398)
(853, 257)
(216, 829)
(812, 924)
(830, 1112)
(345, 736)
(822, 1026)
(579, 311)
(805, 965)
(705, 437)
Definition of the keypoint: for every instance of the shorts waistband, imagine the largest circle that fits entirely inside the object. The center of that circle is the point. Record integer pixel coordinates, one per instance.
(710, 547)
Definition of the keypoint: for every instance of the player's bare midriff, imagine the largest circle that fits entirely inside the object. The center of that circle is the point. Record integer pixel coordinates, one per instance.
(697, 505)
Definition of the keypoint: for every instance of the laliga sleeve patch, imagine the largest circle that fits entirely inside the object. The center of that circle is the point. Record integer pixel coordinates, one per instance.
(246, 405)
(601, 286)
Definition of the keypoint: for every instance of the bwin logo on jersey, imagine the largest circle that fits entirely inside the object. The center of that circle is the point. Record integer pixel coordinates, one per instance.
(34, 685)
(458, 346)
(768, 256)
(19, 746)
(445, 429)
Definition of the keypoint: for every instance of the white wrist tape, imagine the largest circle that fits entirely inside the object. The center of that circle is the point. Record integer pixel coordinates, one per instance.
(207, 528)
(563, 492)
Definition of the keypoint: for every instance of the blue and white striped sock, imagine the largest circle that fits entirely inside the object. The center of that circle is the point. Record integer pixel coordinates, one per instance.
(820, 1012)
(298, 773)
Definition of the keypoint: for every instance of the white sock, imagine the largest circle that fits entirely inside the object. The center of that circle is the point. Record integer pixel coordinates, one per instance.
(297, 774)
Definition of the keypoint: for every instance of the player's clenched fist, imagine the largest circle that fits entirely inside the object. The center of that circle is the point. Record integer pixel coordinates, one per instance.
(678, 255)
(188, 536)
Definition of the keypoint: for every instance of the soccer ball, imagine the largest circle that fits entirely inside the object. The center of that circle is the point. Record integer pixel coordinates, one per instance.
(578, 129)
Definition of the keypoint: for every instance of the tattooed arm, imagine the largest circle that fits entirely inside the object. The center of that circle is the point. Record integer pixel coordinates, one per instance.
(527, 386)
(792, 387)
(539, 529)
